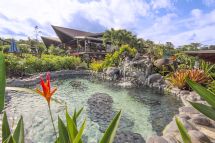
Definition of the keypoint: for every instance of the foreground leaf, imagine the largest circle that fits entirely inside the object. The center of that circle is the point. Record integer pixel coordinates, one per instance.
(2, 81)
(183, 131)
(110, 133)
(71, 127)
(18, 134)
(10, 139)
(79, 112)
(204, 109)
(79, 135)
(63, 134)
(203, 92)
(5, 128)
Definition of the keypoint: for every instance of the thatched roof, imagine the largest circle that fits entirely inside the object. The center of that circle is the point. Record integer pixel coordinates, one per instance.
(48, 41)
(208, 55)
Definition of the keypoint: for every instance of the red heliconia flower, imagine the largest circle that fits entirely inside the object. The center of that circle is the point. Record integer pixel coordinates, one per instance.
(46, 88)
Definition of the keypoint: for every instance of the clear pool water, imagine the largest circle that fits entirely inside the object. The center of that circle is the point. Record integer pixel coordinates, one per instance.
(148, 109)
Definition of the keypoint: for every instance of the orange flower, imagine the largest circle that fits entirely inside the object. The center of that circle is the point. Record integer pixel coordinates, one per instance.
(46, 86)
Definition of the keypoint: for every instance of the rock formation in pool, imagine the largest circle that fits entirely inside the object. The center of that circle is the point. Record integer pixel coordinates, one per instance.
(101, 111)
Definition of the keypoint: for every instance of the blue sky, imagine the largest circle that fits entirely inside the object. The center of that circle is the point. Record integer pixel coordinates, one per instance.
(177, 21)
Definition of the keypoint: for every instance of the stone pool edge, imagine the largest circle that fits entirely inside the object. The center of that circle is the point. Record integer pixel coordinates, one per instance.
(33, 80)
(200, 128)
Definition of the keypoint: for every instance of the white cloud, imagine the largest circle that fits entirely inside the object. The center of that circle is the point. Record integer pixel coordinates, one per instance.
(196, 13)
(209, 2)
(200, 27)
(147, 19)
(157, 4)
(108, 13)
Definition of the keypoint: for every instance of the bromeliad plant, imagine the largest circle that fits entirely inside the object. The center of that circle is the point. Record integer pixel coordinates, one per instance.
(207, 110)
(177, 79)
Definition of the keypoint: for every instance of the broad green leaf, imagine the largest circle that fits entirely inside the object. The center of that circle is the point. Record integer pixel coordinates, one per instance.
(2, 81)
(110, 133)
(71, 127)
(183, 131)
(18, 134)
(63, 133)
(204, 109)
(79, 135)
(5, 128)
(203, 92)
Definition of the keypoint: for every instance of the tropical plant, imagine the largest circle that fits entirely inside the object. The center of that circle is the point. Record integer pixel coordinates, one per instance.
(177, 78)
(18, 134)
(115, 58)
(211, 86)
(122, 37)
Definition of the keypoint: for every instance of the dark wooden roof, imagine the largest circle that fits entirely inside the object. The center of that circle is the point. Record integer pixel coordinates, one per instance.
(208, 55)
(48, 41)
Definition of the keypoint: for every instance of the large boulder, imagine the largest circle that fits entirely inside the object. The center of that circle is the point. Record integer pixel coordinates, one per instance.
(154, 78)
(173, 128)
(201, 120)
(156, 139)
(113, 72)
(188, 110)
(161, 62)
(198, 137)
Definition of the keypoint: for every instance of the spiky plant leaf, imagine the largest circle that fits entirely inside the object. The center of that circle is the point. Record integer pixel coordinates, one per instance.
(183, 131)
(204, 109)
(6, 133)
(63, 133)
(110, 133)
(79, 112)
(80, 133)
(18, 134)
(71, 127)
(203, 92)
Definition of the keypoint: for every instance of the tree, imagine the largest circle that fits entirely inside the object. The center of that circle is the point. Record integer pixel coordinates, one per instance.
(120, 37)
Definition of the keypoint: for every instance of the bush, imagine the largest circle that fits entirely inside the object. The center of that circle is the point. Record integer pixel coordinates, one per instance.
(115, 58)
(96, 66)
(29, 64)
(177, 79)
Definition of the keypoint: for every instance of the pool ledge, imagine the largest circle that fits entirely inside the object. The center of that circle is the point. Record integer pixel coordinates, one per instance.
(200, 128)
(33, 80)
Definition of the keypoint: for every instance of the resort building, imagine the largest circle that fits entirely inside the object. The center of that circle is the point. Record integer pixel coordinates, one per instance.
(78, 42)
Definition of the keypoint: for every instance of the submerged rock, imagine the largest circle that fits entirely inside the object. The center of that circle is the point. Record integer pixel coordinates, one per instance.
(128, 137)
(101, 111)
